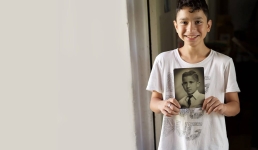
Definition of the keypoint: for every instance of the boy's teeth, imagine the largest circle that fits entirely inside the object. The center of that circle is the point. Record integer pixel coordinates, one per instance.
(191, 36)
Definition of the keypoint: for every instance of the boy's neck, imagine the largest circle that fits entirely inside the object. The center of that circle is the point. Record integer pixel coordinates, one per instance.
(194, 54)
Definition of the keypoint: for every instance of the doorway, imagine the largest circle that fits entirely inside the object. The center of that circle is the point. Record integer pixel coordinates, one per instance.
(162, 38)
(223, 39)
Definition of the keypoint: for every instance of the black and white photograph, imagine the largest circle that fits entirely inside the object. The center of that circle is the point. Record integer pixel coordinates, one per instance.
(189, 87)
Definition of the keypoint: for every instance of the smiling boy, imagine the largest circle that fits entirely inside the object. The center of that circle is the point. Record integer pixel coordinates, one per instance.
(188, 130)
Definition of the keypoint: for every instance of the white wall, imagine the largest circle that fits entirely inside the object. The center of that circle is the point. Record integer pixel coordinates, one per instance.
(65, 80)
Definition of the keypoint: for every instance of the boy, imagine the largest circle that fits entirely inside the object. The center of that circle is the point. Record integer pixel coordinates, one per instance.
(190, 83)
(194, 128)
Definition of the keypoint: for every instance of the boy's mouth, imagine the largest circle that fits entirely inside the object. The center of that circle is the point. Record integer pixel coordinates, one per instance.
(191, 36)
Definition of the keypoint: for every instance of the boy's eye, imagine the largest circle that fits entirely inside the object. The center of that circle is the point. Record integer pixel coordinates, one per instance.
(198, 22)
(183, 22)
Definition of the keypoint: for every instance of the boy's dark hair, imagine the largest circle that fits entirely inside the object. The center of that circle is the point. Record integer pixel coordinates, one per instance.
(191, 73)
(194, 5)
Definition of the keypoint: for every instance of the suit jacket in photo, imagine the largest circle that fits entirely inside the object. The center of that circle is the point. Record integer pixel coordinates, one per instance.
(196, 100)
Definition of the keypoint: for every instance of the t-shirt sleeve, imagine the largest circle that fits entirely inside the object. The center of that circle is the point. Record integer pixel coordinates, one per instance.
(230, 78)
(155, 79)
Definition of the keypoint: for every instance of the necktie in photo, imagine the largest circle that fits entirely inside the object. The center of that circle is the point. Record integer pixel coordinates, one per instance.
(189, 100)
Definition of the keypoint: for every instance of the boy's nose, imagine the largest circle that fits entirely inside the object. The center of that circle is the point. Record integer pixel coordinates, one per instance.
(191, 27)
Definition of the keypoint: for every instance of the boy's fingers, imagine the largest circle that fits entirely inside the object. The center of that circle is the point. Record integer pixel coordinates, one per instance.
(175, 109)
(216, 109)
(167, 109)
(164, 112)
(206, 101)
(210, 103)
(170, 111)
(219, 108)
(175, 102)
(213, 105)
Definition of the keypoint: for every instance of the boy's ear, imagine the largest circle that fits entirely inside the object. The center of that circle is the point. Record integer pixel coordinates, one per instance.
(175, 24)
(209, 24)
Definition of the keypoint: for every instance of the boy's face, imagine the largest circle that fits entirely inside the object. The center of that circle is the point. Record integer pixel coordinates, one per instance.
(190, 85)
(192, 27)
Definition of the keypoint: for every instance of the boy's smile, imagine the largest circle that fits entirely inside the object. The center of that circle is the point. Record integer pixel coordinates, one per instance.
(192, 27)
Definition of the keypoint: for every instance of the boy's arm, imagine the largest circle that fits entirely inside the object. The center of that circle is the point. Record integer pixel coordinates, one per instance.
(230, 108)
(167, 107)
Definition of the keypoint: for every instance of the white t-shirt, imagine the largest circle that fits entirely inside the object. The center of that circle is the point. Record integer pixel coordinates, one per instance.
(194, 129)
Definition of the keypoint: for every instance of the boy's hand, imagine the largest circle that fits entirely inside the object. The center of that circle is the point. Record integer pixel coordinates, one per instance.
(212, 104)
(169, 107)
